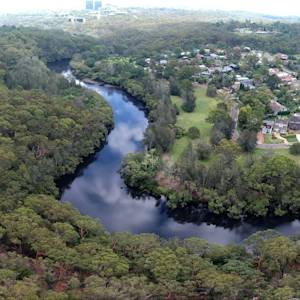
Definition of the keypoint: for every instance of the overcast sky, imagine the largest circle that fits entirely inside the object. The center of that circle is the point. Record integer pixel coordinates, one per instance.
(274, 7)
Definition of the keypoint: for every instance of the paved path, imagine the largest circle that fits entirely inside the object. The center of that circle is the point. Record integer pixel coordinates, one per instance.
(234, 114)
(273, 146)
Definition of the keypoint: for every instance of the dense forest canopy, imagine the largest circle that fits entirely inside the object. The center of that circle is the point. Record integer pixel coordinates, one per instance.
(49, 251)
(140, 38)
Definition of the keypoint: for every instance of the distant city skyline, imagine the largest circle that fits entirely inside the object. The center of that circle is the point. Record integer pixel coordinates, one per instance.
(270, 7)
(93, 4)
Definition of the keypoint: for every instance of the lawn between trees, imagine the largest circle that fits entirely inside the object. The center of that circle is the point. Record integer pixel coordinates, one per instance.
(272, 152)
(204, 105)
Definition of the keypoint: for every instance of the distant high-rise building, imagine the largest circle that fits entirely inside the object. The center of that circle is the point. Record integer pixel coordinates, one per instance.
(97, 5)
(89, 4)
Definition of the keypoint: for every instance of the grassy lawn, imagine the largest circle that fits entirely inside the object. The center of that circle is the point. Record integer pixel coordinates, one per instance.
(285, 152)
(269, 139)
(197, 119)
(292, 138)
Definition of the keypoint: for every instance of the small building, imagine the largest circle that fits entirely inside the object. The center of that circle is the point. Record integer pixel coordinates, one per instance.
(283, 56)
(285, 77)
(163, 62)
(205, 74)
(199, 56)
(273, 71)
(247, 49)
(276, 107)
(203, 67)
(294, 122)
(77, 20)
(236, 86)
(214, 56)
(245, 82)
(234, 67)
(267, 127)
(281, 126)
(227, 69)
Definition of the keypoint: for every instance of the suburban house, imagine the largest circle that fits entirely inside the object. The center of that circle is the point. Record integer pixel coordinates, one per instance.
(281, 126)
(294, 122)
(199, 56)
(203, 67)
(267, 126)
(284, 77)
(227, 69)
(276, 107)
(283, 56)
(234, 67)
(245, 82)
(163, 62)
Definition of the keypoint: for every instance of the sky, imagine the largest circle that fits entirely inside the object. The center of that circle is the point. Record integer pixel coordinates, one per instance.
(271, 7)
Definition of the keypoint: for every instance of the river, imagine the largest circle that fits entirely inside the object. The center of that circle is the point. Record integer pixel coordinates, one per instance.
(97, 190)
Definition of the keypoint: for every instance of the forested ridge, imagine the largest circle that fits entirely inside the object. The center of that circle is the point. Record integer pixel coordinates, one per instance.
(48, 250)
(148, 37)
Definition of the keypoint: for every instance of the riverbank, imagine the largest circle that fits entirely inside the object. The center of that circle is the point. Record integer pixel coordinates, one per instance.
(99, 191)
(97, 139)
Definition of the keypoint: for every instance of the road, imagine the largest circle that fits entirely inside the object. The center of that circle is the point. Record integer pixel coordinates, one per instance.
(273, 146)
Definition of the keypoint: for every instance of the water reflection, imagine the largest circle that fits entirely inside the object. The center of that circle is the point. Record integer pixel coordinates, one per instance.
(98, 190)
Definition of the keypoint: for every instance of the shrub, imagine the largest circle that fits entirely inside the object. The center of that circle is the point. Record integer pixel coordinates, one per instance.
(193, 133)
(203, 151)
(211, 91)
(295, 149)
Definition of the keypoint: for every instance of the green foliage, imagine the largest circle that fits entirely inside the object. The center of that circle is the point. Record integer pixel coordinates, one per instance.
(222, 124)
(73, 125)
(295, 149)
(277, 255)
(188, 98)
(247, 140)
(139, 171)
(49, 251)
(163, 264)
(193, 133)
(203, 150)
(211, 91)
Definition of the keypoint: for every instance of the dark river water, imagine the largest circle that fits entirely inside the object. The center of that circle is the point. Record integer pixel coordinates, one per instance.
(97, 190)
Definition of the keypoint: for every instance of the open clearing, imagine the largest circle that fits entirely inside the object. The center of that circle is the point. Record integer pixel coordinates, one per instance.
(204, 105)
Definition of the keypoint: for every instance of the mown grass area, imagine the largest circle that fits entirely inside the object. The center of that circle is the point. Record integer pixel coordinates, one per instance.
(270, 140)
(197, 119)
(292, 138)
(285, 152)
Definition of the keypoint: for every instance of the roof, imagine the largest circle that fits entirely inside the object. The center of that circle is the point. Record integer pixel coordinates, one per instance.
(276, 107)
(268, 122)
(283, 122)
(295, 118)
